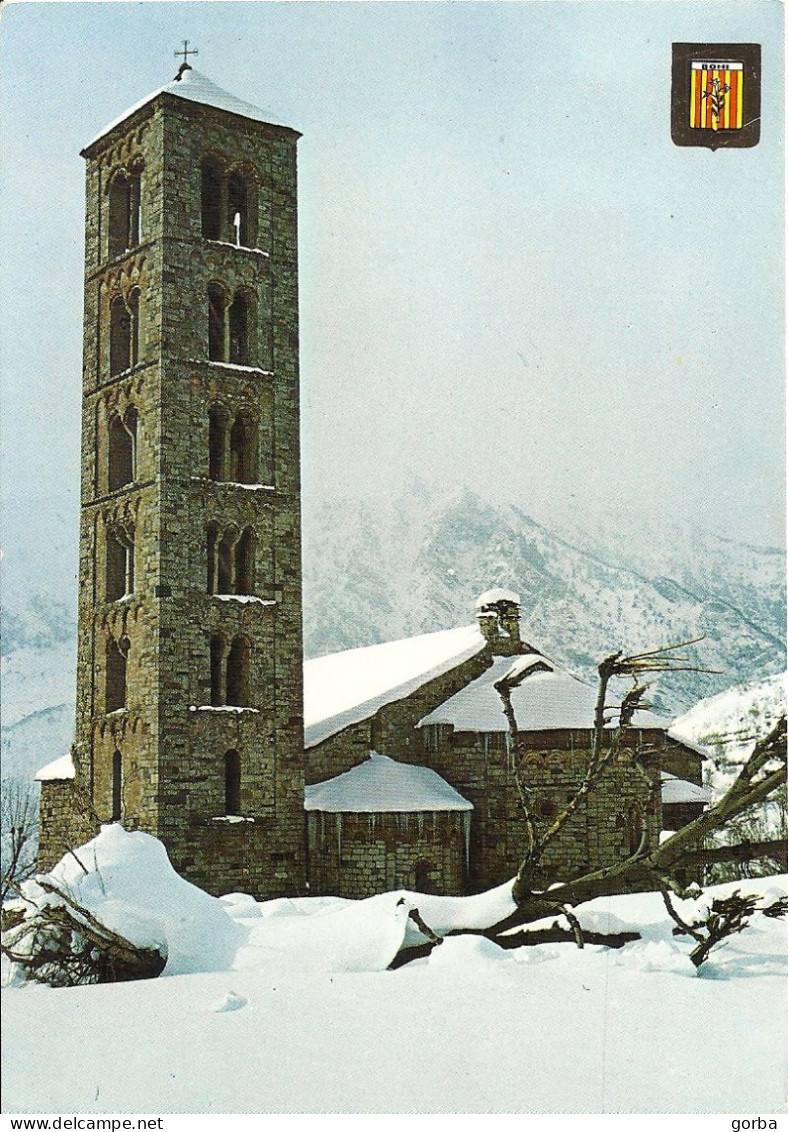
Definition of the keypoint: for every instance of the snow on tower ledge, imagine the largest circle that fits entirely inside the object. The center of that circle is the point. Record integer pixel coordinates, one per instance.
(382, 785)
(492, 597)
(61, 770)
(193, 86)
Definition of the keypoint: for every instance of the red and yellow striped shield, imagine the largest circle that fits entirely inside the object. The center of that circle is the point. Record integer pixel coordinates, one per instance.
(716, 94)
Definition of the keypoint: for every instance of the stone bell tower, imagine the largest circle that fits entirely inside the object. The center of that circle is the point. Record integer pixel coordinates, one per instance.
(190, 687)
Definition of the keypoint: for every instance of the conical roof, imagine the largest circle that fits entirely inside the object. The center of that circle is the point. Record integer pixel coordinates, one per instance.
(382, 785)
(195, 87)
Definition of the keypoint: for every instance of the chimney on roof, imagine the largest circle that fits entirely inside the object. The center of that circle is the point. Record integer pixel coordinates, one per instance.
(498, 612)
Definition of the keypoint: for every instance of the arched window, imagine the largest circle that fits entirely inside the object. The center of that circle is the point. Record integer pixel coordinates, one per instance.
(244, 563)
(120, 564)
(124, 213)
(211, 199)
(238, 209)
(229, 325)
(122, 450)
(213, 557)
(243, 450)
(230, 560)
(133, 307)
(238, 673)
(232, 783)
(423, 876)
(217, 671)
(232, 449)
(633, 828)
(117, 786)
(120, 333)
(217, 444)
(217, 320)
(124, 322)
(117, 652)
(225, 580)
(239, 330)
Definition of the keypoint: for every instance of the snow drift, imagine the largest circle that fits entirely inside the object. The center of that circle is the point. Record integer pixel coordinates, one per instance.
(125, 880)
(596, 1031)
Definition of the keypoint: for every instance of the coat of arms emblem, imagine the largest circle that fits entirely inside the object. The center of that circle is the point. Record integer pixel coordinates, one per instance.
(716, 95)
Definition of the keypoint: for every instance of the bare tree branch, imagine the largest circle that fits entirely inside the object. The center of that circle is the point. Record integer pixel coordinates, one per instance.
(761, 776)
(18, 826)
(64, 944)
(743, 851)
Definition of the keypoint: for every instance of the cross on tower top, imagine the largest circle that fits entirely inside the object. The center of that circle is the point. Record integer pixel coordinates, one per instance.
(185, 52)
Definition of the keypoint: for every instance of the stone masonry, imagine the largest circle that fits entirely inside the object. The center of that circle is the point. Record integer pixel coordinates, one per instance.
(480, 766)
(354, 855)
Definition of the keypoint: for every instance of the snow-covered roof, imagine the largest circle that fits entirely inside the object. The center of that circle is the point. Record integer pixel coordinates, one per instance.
(195, 87)
(346, 687)
(58, 771)
(543, 701)
(680, 736)
(382, 785)
(677, 790)
(528, 663)
(492, 597)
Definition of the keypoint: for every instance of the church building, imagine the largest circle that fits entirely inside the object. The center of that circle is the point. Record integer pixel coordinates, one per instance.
(391, 766)
(411, 760)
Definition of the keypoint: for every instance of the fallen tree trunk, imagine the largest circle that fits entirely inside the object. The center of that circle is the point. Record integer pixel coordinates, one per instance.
(519, 939)
(560, 935)
(746, 851)
(641, 875)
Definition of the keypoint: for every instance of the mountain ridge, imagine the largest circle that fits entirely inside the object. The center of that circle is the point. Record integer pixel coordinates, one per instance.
(574, 599)
(383, 569)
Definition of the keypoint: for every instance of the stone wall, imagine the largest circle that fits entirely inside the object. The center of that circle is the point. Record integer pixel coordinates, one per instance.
(267, 856)
(356, 855)
(64, 822)
(603, 830)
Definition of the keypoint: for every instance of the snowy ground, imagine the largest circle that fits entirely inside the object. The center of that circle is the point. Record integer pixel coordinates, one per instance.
(288, 1007)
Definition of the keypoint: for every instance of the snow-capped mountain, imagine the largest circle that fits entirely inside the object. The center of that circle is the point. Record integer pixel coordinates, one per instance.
(381, 570)
(377, 570)
(729, 724)
(733, 720)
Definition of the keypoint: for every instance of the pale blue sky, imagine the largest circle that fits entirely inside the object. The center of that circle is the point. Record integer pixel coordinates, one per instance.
(510, 276)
